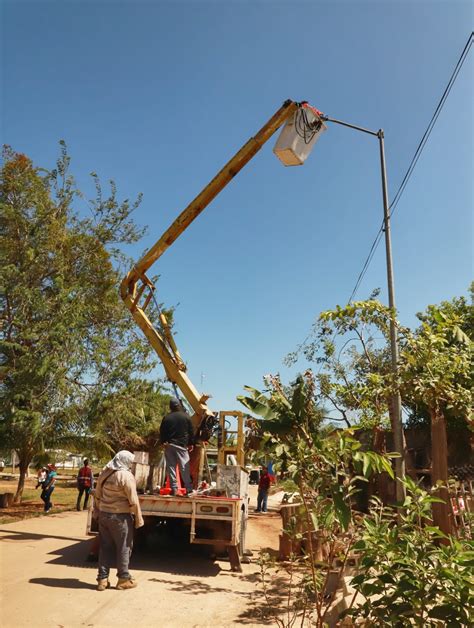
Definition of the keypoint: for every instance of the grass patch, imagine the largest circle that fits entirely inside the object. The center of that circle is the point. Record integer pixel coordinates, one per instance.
(64, 498)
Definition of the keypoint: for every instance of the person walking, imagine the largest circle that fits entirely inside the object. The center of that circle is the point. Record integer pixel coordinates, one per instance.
(263, 488)
(119, 512)
(177, 436)
(41, 477)
(85, 482)
(48, 487)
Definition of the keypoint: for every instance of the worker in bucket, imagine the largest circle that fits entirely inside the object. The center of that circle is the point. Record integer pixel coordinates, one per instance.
(177, 437)
(119, 512)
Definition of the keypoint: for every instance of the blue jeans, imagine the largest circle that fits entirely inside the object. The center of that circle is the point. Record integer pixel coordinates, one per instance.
(46, 497)
(262, 498)
(115, 543)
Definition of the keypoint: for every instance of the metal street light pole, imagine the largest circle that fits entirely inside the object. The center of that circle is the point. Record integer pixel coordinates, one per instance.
(395, 409)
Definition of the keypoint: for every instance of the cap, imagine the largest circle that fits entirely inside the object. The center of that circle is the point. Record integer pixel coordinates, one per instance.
(174, 404)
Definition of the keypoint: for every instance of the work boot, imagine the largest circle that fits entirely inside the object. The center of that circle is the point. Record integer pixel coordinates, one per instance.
(102, 584)
(126, 583)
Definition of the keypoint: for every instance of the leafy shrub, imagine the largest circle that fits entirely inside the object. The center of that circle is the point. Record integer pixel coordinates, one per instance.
(411, 574)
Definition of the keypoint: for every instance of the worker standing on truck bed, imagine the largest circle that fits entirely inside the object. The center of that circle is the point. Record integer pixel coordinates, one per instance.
(177, 436)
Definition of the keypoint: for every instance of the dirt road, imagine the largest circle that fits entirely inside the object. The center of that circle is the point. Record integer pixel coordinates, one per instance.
(46, 582)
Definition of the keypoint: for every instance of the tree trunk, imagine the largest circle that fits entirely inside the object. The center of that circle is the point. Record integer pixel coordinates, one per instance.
(23, 467)
(439, 470)
(409, 467)
(403, 466)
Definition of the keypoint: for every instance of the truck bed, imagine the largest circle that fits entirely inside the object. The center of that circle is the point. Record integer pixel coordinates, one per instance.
(205, 507)
(224, 516)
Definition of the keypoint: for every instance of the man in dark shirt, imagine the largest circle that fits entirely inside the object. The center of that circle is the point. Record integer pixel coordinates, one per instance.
(177, 436)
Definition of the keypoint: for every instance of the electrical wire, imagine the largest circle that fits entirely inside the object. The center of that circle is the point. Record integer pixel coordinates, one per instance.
(414, 160)
(366, 265)
(432, 122)
(304, 128)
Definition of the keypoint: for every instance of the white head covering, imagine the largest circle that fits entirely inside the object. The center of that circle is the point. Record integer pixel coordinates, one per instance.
(121, 461)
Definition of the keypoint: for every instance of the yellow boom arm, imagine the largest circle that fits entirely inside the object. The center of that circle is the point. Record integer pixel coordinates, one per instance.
(137, 290)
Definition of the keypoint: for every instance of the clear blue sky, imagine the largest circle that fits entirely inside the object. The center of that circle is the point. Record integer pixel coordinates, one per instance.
(158, 95)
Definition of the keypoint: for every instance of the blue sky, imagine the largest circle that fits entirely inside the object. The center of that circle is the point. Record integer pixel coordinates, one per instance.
(159, 95)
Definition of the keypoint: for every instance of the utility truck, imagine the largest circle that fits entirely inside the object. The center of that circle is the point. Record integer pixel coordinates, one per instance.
(217, 518)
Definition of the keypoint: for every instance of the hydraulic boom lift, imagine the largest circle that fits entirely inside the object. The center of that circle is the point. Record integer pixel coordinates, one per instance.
(137, 291)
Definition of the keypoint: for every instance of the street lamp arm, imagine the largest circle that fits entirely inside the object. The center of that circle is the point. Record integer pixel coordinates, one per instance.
(351, 126)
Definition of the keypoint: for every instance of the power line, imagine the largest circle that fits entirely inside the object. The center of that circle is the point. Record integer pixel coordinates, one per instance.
(366, 265)
(415, 158)
(432, 123)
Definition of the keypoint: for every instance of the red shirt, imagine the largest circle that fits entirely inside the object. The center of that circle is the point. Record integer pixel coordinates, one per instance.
(84, 477)
(264, 483)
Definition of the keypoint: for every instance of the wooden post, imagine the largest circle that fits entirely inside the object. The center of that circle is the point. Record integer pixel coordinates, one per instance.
(439, 462)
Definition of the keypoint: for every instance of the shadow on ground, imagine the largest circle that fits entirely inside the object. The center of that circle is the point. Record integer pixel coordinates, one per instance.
(157, 554)
(265, 607)
(175, 556)
(191, 587)
(13, 535)
(260, 610)
(63, 583)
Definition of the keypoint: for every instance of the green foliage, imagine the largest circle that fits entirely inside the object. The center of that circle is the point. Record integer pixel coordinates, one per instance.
(436, 361)
(65, 334)
(321, 465)
(127, 418)
(409, 578)
(351, 346)
(458, 312)
(326, 466)
(285, 409)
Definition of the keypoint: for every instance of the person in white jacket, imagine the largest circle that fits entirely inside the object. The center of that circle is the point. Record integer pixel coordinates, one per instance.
(119, 512)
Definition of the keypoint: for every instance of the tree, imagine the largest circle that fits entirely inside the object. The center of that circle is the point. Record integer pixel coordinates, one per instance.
(350, 346)
(434, 369)
(326, 466)
(125, 418)
(64, 330)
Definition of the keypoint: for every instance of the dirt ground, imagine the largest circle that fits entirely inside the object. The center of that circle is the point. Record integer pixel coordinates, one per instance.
(47, 582)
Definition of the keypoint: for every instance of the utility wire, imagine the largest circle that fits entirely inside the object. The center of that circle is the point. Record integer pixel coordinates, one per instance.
(415, 158)
(433, 120)
(366, 265)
